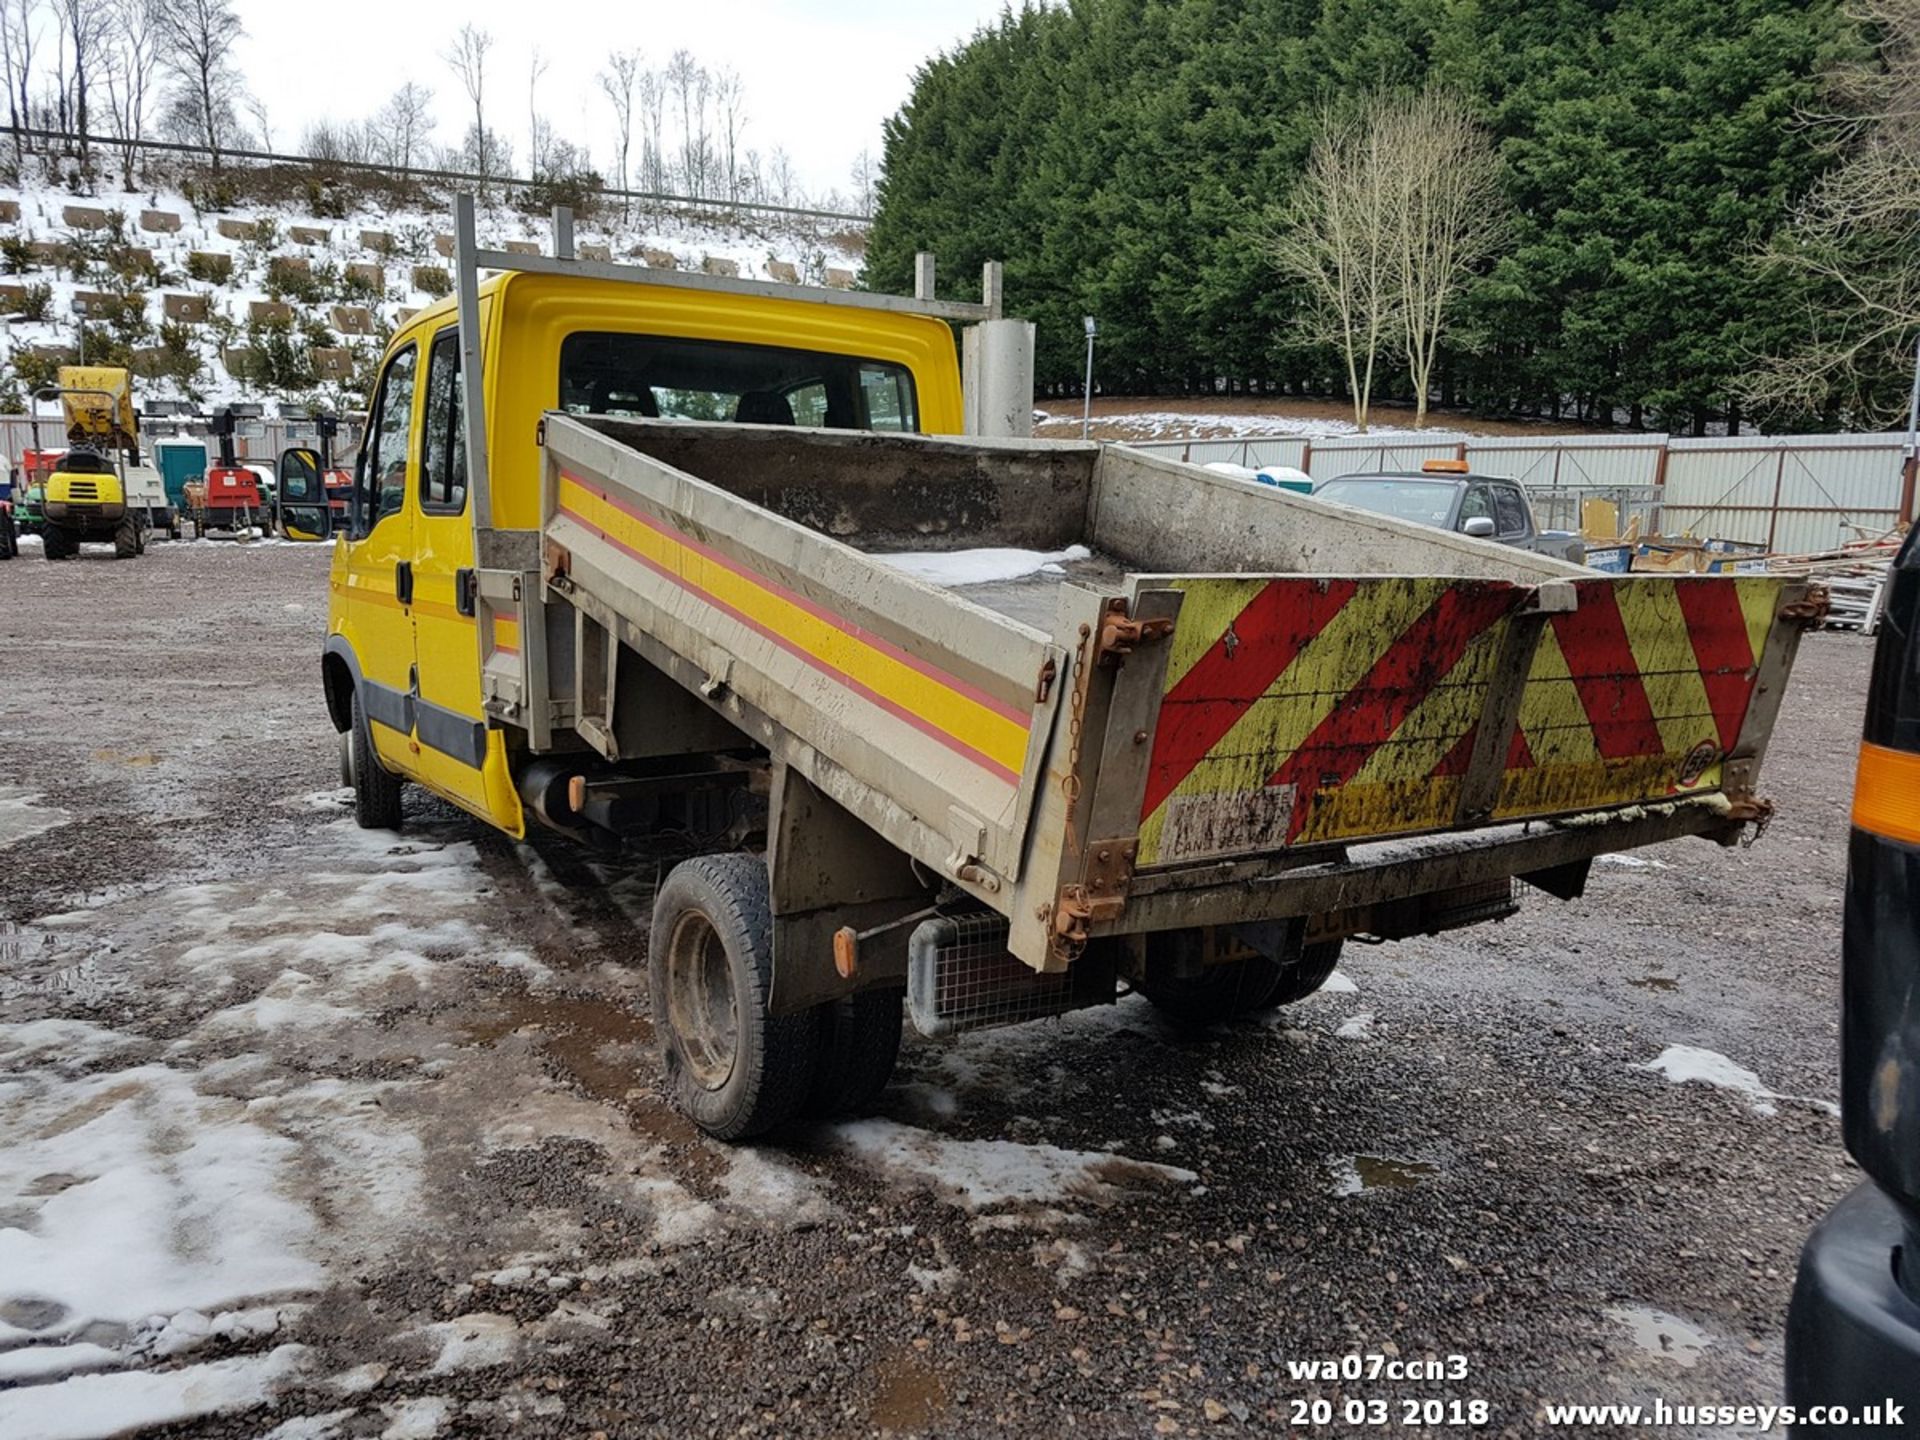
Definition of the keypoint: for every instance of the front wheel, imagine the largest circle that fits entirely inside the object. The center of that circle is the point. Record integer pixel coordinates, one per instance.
(736, 1069)
(57, 544)
(376, 789)
(126, 538)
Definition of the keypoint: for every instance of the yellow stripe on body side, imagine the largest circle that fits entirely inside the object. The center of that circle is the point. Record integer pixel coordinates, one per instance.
(893, 682)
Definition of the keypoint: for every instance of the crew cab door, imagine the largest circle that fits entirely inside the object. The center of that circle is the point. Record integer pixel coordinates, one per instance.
(378, 621)
(459, 756)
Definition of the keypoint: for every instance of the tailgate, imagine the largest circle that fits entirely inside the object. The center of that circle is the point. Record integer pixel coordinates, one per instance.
(1311, 710)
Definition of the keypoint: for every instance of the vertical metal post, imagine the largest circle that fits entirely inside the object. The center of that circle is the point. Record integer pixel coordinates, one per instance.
(923, 275)
(1910, 471)
(1086, 404)
(563, 232)
(473, 392)
(992, 283)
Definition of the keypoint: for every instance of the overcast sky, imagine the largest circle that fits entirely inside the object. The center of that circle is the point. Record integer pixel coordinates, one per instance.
(821, 75)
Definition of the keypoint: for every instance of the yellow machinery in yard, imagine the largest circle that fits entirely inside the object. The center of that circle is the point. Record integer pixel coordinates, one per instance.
(99, 490)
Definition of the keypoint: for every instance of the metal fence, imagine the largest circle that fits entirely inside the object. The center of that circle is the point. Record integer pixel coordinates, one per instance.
(1789, 494)
(255, 439)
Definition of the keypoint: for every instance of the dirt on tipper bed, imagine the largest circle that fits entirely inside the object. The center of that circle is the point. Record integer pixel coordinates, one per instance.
(307, 1131)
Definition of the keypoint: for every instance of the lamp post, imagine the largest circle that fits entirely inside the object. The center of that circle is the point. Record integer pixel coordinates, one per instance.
(1086, 407)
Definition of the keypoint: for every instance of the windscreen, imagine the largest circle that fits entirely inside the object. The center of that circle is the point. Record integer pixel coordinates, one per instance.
(1425, 502)
(662, 377)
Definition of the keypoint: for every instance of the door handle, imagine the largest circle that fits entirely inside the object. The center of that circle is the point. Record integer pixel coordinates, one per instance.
(403, 581)
(463, 589)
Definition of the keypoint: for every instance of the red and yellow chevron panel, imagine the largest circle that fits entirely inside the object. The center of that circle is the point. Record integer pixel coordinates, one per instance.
(1302, 710)
(1639, 693)
(1308, 709)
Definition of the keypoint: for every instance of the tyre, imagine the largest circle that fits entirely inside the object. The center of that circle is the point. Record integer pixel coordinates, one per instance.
(732, 1067)
(58, 544)
(9, 536)
(1305, 975)
(1231, 988)
(859, 1040)
(126, 538)
(376, 789)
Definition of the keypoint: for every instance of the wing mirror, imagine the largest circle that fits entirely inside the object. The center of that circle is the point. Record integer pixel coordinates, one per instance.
(1479, 527)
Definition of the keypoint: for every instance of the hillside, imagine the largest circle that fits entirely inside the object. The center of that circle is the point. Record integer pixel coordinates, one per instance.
(276, 304)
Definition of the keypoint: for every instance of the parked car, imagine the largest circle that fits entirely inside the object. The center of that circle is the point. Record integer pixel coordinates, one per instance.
(1447, 496)
(1853, 1330)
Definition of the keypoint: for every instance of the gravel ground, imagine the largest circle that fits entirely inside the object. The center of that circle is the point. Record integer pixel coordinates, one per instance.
(356, 1134)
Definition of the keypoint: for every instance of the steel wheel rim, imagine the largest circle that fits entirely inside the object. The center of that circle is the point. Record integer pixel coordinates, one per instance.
(701, 1005)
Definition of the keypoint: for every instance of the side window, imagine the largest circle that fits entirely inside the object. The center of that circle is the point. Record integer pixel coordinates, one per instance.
(809, 404)
(887, 396)
(1509, 510)
(1475, 504)
(443, 459)
(380, 483)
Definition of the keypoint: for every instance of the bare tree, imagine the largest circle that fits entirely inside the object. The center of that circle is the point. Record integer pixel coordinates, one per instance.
(782, 177)
(19, 33)
(653, 110)
(1447, 213)
(539, 133)
(468, 60)
(256, 109)
(863, 181)
(685, 78)
(730, 93)
(617, 81)
(196, 40)
(1334, 238)
(405, 121)
(133, 55)
(84, 25)
(1851, 242)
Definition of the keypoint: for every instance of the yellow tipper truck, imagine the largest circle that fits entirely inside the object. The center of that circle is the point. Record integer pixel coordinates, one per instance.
(977, 724)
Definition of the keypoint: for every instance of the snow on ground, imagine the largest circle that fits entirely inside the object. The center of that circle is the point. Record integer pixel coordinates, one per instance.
(1682, 1064)
(979, 1175)
(85, 1406)
(986, 565)
(22, 816)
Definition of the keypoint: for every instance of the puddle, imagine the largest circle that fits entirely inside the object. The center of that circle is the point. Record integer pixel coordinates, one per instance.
(115, 757)
(1353, 1174)
(581, 1036)
(1656, 1333)
(1655, 982)
(910, 1395)
(607, 1050)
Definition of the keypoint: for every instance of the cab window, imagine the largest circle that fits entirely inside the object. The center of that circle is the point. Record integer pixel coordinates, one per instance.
(667, 377)
(443, 458)
(1509, 510)
(381, 480)
(1476, 504)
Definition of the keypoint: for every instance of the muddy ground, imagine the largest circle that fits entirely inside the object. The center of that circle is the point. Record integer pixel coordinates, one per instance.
(312, 1132)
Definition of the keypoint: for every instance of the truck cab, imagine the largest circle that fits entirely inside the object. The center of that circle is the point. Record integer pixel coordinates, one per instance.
(402, 615)
(1853, 1330)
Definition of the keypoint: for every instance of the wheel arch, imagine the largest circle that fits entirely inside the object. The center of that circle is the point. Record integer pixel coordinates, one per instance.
(339, 677)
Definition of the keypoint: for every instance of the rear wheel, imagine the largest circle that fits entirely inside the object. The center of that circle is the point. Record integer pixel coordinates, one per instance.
(859, 1043)
(56, 543)
(376, 789)
(1229, 988)
(126, 538)
(732, 1066)
(9, 536)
